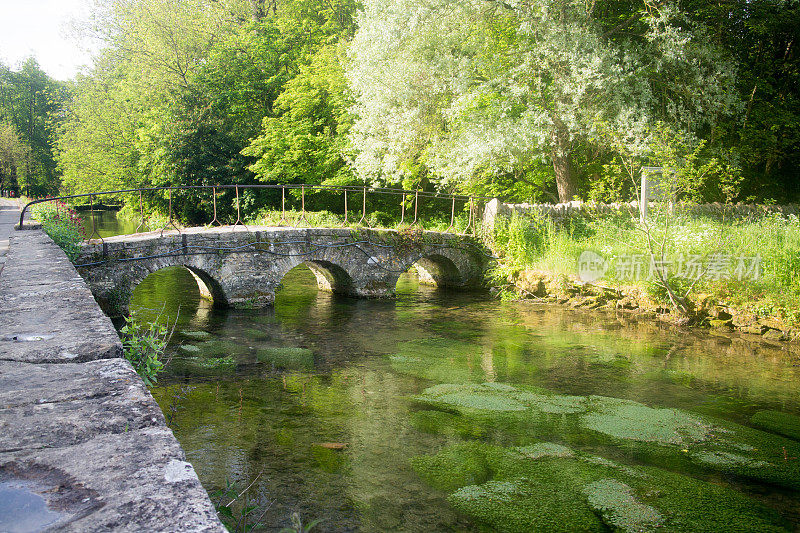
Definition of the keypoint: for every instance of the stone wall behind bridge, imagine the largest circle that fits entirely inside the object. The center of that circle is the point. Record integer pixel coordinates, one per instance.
(563, 212)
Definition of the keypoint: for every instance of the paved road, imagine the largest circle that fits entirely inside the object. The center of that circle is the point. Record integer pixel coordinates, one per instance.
(9, 216)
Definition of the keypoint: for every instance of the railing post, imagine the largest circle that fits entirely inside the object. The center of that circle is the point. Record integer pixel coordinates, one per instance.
(141, 213)
(91, 215)
(282, 221)
(214, 201)
(238, 212)
(469, 223)
(302, 206)
(364, 210)
(452, 215)
(170, 221)
(344, 222)
(402, 208)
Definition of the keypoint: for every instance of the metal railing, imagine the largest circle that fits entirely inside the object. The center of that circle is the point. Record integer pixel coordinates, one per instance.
(414, 199)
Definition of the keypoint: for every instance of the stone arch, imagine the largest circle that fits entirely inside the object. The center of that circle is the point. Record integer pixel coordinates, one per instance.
(209, 288)
(330, 276)
(438, 271)
(448, 267)
(114, 298)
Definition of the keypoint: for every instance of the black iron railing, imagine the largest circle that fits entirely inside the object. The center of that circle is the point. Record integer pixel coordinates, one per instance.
(409, 200)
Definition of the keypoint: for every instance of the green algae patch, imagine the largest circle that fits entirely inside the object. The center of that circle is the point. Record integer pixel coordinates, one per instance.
(516, 506)
(778, 422)
(454, 467)
(550, 487)
(454, 361)
(544, 449)
(203, 366)
(501, 397)
(626, 419)
(672, 438)
(288, 358)
(199, 335)
(616, 503)
(191, 348)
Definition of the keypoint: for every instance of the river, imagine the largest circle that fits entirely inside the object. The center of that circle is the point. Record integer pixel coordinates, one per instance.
(448, 411)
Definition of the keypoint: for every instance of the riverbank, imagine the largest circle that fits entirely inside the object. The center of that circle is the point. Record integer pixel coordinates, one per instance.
(730, 268)
(706, 311)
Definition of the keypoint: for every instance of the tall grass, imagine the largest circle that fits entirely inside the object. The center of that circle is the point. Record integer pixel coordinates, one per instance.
(537, 242)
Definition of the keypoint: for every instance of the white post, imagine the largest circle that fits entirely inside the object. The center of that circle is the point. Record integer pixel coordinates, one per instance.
(650, 178)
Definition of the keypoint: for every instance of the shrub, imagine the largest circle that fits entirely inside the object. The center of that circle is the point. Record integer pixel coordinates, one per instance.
(143, 345)
(63, 225)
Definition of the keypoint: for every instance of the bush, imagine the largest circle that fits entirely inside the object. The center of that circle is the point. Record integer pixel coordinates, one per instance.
(63, 225)
(143, 345)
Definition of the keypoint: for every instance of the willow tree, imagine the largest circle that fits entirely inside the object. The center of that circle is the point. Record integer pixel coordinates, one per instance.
(461, 89)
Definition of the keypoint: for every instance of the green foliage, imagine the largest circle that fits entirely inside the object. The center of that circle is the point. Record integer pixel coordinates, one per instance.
(236, 508)
(306, 141)
(298, 526)
(63, 225)
(143, 344)
(30, 114)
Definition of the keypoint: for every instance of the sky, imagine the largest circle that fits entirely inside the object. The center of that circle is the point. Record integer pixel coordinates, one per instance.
(42, 28)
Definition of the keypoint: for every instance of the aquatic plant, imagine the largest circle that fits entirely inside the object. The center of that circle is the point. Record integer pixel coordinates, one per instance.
(204, 366)
(287, 357)
(618, 506)
(668, 437)
(778, 422)
(550, 487)
(236, 510)
(298, 526)
(202, 335)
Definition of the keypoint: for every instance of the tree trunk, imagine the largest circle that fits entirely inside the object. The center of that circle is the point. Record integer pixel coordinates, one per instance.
(565, 178)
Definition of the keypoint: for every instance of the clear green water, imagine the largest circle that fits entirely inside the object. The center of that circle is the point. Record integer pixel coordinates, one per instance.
(326, 406)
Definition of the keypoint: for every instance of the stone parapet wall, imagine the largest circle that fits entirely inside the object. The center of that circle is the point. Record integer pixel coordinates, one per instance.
(79, 428)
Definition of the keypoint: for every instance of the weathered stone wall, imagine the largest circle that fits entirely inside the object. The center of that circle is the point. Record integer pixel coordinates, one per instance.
(562, 212)
(244, 266)
(79, 428)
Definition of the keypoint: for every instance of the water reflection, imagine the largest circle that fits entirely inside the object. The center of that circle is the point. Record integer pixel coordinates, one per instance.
(272, 389)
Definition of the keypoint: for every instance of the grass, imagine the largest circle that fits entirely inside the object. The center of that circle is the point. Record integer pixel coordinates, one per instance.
(692, 247)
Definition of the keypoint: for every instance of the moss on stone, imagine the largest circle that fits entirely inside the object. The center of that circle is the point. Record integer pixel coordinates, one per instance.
(289, 358)
(778, 422)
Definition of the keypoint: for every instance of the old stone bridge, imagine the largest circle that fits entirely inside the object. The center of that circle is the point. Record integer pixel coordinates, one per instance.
(244, 266)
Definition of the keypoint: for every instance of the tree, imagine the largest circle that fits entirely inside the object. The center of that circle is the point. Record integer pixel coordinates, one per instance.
(307, 141)
(15, 158)
(32, 102)
(466, 89)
